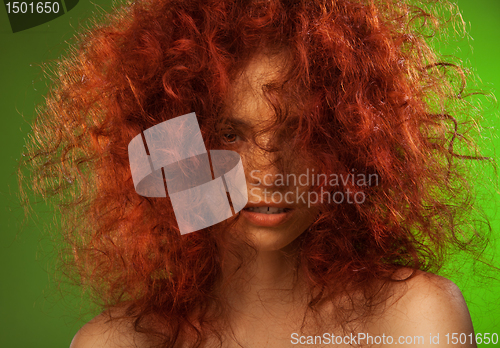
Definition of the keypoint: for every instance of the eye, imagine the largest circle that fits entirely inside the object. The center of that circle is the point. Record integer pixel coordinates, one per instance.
(230, 138)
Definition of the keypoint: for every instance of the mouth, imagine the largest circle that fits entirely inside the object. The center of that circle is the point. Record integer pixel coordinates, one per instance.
(267, 216)
(267, 210)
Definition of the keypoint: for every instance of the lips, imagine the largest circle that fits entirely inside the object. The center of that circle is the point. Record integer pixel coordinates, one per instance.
(267, 210)
(266, 215)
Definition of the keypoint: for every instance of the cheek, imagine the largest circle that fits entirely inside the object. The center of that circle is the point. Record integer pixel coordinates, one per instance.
(308, 216)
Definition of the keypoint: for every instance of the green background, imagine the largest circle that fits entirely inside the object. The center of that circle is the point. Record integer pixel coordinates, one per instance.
(32, 312)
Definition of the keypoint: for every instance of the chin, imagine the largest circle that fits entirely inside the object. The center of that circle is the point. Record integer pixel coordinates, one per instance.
(266, 239)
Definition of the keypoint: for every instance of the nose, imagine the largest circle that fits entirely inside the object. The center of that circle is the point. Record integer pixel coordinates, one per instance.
(264, 163)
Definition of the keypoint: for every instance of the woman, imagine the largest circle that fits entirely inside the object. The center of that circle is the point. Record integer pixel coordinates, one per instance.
(340, 113)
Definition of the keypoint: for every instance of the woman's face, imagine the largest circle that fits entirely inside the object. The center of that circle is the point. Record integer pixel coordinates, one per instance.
(277, 211)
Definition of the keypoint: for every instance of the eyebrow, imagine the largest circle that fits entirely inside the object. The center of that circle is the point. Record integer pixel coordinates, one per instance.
(236, 122)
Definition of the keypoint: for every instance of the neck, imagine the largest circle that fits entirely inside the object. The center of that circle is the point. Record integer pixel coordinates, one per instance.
(266, 282)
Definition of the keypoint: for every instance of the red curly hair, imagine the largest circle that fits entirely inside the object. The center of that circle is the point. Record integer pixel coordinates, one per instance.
(378, 102)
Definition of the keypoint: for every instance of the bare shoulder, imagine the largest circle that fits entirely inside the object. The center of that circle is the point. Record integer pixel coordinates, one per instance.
(96, 333)
(103, 332)
(433, 297)
(427, 305)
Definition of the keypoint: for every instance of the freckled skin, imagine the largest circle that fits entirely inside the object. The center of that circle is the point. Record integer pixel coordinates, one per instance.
(249, 106)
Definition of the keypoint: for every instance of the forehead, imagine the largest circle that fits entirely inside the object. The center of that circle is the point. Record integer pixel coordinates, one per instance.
(247, 99)
(262, 69)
